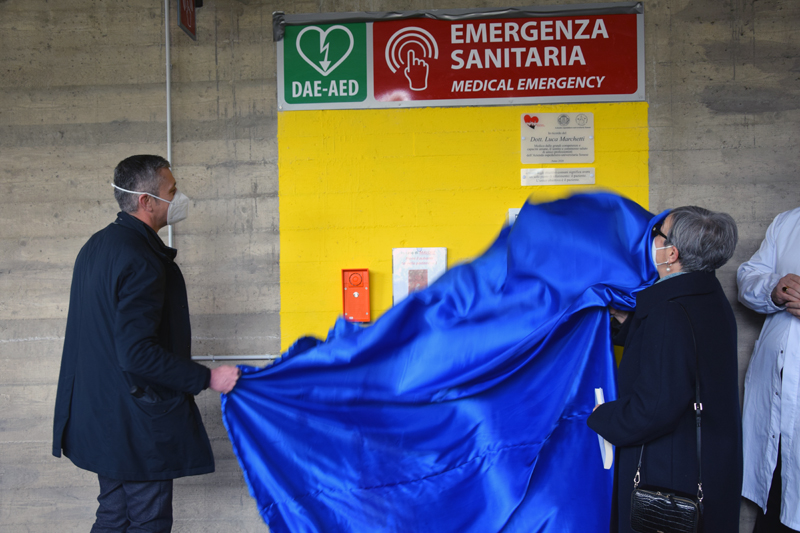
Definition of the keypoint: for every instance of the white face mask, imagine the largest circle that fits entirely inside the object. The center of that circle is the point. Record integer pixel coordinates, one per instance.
(178, 207)
(653, 250)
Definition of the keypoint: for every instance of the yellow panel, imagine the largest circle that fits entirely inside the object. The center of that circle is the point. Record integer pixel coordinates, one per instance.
(356, 183)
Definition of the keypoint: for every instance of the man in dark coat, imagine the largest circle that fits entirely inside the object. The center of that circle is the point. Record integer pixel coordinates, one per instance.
(125, 407)
(656, 376)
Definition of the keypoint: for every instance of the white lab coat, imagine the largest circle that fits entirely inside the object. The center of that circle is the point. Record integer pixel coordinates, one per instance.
(771, 406)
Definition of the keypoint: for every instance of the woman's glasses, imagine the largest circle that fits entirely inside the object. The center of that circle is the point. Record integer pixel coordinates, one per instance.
(657, 231)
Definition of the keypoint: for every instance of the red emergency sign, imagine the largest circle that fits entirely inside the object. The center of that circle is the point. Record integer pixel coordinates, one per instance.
(423, 59)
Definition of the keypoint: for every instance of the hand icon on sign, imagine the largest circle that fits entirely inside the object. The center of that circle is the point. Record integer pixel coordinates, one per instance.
(416, 72)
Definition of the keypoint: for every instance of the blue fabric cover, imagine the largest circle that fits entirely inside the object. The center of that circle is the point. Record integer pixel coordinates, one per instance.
(463, 408)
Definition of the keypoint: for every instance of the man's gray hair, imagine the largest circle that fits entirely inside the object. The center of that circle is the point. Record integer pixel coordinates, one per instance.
(705, 239)
(137, 173)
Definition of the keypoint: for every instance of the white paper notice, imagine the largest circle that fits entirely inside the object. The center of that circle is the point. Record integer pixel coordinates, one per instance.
(558, 176)
(413, 269)
(549, 138)
(606, 450)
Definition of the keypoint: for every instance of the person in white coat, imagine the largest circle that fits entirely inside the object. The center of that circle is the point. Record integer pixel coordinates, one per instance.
(769, 283)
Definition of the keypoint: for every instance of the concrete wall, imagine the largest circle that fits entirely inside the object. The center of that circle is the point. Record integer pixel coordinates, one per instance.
(82, 86)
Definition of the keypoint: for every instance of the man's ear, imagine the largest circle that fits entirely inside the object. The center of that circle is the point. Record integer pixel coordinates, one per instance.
(145, 203)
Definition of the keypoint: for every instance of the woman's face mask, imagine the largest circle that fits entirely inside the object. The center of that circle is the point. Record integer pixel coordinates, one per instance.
(656, 232)
(653, 251)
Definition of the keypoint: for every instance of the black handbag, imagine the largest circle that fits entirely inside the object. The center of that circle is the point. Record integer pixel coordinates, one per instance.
(661, 510)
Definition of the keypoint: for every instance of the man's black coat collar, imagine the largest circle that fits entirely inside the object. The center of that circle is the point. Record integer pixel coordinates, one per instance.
(155, 242)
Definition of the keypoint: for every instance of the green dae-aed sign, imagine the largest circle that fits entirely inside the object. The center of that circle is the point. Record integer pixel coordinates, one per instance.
(325, 63)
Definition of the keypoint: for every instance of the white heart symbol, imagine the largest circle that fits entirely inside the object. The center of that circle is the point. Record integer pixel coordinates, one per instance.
(323, 35)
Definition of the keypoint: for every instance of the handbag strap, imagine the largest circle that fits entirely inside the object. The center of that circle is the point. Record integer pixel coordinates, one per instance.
(698, 408)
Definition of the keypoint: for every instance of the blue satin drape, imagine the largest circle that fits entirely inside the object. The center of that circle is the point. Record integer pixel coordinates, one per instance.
(463, 408)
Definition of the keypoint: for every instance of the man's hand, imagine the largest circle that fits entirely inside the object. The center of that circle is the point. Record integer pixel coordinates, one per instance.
(621, 316)
(224, 378)
(793, 308)
(787, 293)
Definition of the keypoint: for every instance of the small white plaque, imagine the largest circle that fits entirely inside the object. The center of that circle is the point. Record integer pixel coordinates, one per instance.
(549, 138)
(558, 176)
(413, 269)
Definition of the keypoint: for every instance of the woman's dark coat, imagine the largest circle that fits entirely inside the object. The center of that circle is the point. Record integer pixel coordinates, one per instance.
(125, 407)
(656, 396)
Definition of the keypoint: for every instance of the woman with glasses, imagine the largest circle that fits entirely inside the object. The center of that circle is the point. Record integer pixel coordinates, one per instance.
(682, 327)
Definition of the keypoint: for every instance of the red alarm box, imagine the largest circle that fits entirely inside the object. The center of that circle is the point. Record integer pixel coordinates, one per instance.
(355, 294)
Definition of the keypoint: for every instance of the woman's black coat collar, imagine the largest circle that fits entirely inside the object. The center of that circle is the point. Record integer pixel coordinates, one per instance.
(692, 283)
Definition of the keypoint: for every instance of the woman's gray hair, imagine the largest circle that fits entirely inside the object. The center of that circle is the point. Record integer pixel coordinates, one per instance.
(705, 240)
(137, 173)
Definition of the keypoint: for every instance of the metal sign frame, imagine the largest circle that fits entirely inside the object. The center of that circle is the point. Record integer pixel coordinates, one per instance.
(282, 21)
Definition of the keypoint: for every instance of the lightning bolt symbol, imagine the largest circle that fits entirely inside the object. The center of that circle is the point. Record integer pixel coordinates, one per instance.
(323, 47)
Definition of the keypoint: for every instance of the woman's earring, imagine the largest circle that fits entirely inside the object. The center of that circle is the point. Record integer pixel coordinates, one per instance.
(668, 265)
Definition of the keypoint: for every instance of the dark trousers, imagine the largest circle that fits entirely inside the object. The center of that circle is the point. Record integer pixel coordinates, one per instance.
(771, 521)
(134, 506)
